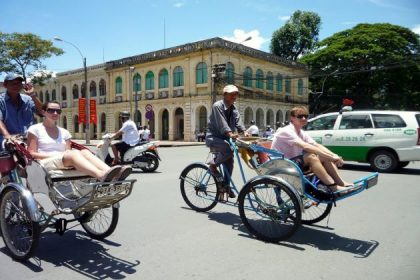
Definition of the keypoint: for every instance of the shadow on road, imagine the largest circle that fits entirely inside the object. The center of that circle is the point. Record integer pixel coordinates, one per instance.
(78, 252)
(325, 240)
(316, 236)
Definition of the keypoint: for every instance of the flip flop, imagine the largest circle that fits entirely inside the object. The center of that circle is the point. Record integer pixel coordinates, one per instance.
(124, 173)
(110, 174)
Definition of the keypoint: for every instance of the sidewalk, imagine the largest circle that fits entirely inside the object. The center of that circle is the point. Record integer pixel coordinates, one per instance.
(162, 143)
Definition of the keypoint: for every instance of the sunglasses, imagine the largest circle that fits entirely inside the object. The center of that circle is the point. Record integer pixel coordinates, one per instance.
(52, 111)
(302, 116)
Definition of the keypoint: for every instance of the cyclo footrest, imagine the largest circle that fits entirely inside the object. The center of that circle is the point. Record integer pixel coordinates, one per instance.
(101, 195)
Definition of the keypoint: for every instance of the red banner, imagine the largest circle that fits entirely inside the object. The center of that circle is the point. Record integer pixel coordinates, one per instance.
(82, 110)
(92, 111)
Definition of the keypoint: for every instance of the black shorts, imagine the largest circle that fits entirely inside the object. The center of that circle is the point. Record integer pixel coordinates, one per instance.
(122, 147)
(299, 161)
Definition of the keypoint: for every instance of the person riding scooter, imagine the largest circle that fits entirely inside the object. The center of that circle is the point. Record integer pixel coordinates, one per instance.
(130, 137)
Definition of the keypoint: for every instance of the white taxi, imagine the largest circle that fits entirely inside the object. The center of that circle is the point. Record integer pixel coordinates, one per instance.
(386, 139)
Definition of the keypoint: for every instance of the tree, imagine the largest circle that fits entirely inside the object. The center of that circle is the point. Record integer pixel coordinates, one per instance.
(298, 36)
(376, 65)
(22, 50)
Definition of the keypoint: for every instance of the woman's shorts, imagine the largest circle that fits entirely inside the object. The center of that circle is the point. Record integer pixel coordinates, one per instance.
(53, 163)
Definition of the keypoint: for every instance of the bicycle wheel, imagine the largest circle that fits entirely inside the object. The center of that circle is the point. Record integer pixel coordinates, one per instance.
(19, 232)
(269, 210)
(198, 187)
(314, 212)
(100, 223)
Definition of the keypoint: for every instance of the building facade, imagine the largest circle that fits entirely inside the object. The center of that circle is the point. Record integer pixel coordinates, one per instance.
(172, 90)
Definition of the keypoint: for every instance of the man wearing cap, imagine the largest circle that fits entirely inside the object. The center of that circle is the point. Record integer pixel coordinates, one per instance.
(253, 129)
(130, 137)
(16, 110)
(224, 123)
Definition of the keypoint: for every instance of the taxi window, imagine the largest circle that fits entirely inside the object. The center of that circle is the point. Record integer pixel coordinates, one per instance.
(355, 122)
(323, 123)
(388, 121)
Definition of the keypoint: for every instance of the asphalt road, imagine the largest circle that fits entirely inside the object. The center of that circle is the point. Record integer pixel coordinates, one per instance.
(374, 235)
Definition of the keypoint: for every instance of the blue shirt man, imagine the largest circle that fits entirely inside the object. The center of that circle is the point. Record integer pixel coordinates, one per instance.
(16, 110)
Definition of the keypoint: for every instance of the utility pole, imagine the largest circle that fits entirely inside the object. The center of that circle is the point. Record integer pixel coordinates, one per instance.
(217, 74)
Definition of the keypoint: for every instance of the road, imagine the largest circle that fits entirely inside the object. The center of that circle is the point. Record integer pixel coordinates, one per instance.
(370, 236)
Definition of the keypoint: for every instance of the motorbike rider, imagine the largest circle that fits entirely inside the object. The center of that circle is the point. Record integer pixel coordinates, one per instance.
(130, 136)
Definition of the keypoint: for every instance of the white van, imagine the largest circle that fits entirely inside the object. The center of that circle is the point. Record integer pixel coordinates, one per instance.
(386, 139)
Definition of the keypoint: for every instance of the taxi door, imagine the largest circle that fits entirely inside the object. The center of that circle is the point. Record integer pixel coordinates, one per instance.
(353, 136)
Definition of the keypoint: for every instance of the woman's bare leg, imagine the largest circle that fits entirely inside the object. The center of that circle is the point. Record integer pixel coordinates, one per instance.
(95, 160)
(75, 159)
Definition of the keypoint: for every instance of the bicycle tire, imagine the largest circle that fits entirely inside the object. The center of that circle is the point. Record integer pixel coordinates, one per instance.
(100, 223)
(20, 234)
(198, 187)
(265, 215)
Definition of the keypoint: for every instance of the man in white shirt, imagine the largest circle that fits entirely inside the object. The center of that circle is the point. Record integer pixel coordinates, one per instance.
(253, 129)
(130, 137)
(146, 133)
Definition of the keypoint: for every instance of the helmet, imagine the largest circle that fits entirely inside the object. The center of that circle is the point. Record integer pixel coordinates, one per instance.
(124, 114)
(252, 122)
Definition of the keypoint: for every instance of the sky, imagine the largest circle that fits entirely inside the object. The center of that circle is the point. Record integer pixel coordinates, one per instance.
(106, 30)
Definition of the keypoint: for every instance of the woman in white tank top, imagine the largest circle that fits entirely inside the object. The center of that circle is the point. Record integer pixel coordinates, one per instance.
(51, 145)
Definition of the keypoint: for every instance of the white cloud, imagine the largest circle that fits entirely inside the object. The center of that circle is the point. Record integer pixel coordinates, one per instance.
(284, 18)
(239, 36)
(416, 29)
(179, 4)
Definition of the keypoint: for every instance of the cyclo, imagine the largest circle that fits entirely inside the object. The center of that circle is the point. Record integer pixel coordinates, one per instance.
(31, 199)
(273, 204)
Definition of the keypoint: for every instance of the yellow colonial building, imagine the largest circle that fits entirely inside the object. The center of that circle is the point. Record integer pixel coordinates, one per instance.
(172, 90)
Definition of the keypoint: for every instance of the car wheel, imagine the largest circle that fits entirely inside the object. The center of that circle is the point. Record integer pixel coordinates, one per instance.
(403, 164)
(383, 161)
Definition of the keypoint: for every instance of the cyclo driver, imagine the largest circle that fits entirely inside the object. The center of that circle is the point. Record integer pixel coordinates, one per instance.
(224, 123)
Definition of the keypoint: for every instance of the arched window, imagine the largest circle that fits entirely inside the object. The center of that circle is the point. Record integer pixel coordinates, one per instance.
(288, 85)
(92, 89)
(83, 90)
(137, 82)
(118, 85)
(75, 91)
(150, 80)
(102, 87)
(259, 75)
(63, 93)
(178, 77)
(41, 96)
(270, 81)
(65, 122)
(248, 77)
(230, 70)
(300, 87)
(76, 124)
(279, 83)
(103, 122)
(53, 95)
(163, 78)
(201, 73)
(47, 96)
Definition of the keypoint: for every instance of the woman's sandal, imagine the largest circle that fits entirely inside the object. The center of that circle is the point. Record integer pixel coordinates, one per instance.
(110, 174)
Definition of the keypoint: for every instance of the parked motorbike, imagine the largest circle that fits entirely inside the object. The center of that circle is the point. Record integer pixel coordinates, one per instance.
(144, 155)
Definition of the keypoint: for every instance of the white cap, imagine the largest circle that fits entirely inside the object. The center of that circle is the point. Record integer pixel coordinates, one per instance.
(230, 89)
(12, 76)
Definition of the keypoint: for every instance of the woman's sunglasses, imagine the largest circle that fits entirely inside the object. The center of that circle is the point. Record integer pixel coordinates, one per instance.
(52, 111)
(302, 116)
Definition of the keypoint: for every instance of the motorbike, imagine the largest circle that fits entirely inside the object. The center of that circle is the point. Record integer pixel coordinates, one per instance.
(144, 155)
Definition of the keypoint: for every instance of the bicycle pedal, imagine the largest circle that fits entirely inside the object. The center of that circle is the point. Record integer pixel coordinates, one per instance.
(60, 226)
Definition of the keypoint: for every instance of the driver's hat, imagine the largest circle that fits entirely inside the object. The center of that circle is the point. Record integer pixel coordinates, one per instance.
(124, 114)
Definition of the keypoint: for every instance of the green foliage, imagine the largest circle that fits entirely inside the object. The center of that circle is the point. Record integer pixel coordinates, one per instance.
(22, 50)
(377, 66)
(297, 37)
